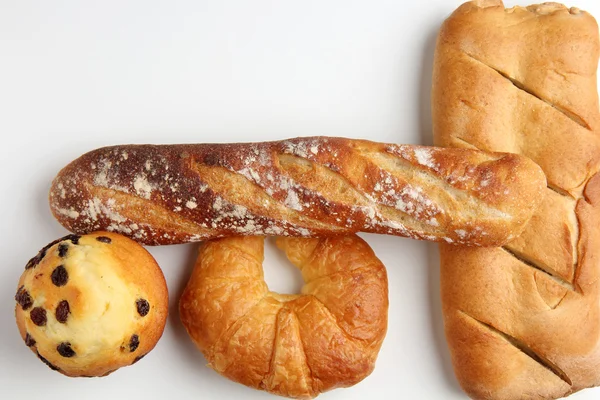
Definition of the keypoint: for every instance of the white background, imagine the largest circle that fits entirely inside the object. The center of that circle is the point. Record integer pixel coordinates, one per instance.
(75, 76)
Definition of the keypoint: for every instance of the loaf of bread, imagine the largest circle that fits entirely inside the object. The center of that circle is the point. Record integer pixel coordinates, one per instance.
(88, 305)
(523, 320)
(293, 345)
(165, 194)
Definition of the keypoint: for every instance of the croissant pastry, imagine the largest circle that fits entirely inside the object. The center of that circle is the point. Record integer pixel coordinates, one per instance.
(290, 345)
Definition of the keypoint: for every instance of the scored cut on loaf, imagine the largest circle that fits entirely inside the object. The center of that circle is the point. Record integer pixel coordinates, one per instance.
(522, 320)
(165, 194)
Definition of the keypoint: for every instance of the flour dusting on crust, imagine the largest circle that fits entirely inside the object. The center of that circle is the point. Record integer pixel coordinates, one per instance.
(174, 203)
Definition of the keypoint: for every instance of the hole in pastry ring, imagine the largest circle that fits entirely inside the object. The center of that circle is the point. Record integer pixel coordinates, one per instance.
(290, 345)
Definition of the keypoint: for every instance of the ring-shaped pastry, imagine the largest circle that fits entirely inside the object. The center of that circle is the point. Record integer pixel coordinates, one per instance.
(290, 345)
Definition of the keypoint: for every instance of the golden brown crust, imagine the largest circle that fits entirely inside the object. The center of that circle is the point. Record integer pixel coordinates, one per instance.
(291, 345)
(534, 73)
(104, 302)
(298, 187)
(522, 320)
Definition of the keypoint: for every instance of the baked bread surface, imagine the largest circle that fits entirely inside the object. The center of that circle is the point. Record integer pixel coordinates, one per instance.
(165, 194)
(290, 345)
(88, 305)
(522, 320)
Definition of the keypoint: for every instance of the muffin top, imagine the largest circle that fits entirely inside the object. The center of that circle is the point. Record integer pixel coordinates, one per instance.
(90, 304)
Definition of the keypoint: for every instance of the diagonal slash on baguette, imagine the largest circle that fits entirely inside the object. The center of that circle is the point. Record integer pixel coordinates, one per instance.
(165, 194)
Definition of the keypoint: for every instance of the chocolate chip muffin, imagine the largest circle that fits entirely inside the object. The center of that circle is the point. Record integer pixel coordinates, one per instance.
(88, 305)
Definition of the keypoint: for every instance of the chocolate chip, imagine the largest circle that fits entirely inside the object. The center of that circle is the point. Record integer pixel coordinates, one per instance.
(38, 316)
(63, 248)
(103, 239)
(62, 311)
(41, 254)
(48, 363)
(65, 350)
(23, 298)
(138, 358)
(33, 262)
(73, 238)
(60, 276)
(29, 341)
(134, 342)
(143, 308)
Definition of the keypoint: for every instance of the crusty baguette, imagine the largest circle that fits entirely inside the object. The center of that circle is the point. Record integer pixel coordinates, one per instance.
(165, 194)
(523, 320)
(296, 345)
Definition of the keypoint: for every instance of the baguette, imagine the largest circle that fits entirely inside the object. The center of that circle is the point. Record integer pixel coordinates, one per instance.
(166, 194)
(523, 320)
